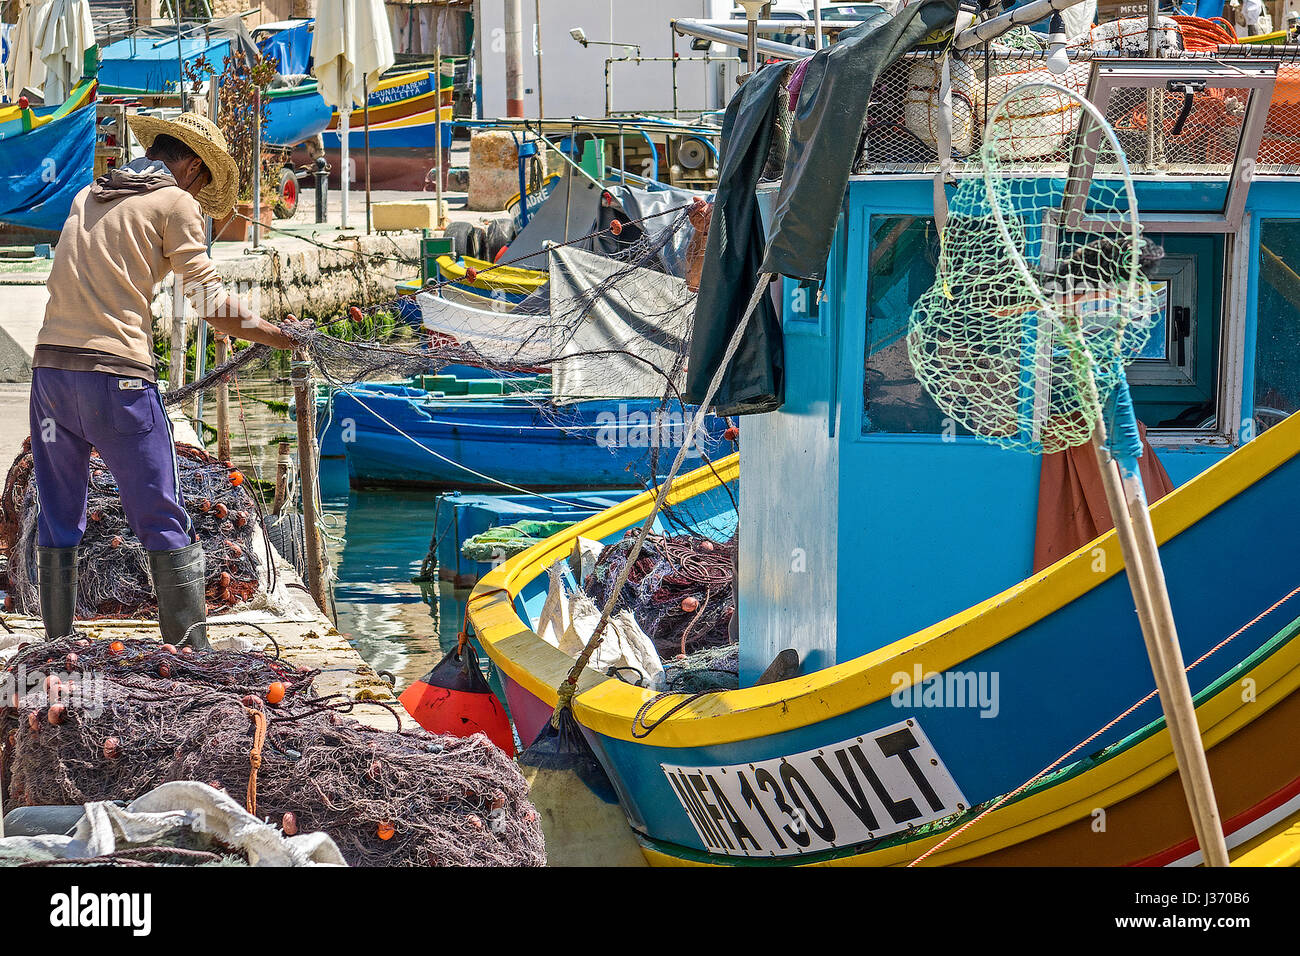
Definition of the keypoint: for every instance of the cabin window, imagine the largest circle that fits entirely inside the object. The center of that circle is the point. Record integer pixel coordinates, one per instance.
(901, 265)
(1277, 374)
(1174, 380)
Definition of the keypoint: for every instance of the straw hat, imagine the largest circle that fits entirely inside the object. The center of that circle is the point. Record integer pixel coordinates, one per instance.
(203, 136)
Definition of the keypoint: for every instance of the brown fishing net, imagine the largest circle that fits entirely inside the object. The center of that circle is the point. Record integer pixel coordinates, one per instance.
(681, 590)
(113, 568)
(135, 715)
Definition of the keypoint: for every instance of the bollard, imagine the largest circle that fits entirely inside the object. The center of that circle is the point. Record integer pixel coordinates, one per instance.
(322, 175)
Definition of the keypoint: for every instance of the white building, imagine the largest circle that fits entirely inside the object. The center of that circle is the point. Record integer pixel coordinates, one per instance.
(573, 77)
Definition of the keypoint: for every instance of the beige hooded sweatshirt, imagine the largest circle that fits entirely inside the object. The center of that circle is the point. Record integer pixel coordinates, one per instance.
(117, 245)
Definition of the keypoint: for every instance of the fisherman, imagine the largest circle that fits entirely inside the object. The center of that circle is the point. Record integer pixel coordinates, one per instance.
(93, 380)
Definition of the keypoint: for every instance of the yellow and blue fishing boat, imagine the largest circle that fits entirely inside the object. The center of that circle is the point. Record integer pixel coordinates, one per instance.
(46, 157)
(973, 686)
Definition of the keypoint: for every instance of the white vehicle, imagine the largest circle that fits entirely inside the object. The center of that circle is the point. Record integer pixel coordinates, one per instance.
(833, 12)
(783, 11)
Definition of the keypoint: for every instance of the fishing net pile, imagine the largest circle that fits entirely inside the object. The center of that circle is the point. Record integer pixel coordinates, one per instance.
(681, 591)
(1039, 300)
(94, 720)
(113, 567)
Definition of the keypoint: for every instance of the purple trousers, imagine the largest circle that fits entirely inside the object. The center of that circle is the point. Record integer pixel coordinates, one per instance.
(122, 419)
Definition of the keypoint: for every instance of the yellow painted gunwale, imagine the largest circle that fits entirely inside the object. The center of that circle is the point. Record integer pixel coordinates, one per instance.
(608, 706)
(510, 278)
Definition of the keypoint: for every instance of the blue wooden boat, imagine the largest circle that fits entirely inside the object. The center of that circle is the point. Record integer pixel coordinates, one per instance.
(36, 141)
(954, 705)
(458, 516)
(504, 443)
(451, 381)
(149, 61)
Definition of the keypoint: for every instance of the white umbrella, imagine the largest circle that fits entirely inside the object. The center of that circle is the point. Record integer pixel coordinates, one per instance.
(351, 47)
(50, 43)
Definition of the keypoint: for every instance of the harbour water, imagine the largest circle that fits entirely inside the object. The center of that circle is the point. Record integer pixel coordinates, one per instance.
(376, 541)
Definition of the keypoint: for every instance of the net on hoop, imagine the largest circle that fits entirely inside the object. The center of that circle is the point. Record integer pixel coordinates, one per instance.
(1039, 298)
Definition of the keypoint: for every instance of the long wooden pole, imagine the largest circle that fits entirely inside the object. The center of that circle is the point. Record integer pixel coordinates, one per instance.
(1155, 616)
(281, 479)
(365, 110)
(305, 408)
(223, 401)
(437, 123)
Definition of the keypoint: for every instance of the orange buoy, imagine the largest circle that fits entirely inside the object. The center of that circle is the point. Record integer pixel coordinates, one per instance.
(117, 647)
(385, 830)
(275, 693)
(236, 478)
(455, 699)
(732, 433)
(616, 227)
(356, 314)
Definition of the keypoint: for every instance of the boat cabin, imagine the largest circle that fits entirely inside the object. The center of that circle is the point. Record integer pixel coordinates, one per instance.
(898, 517)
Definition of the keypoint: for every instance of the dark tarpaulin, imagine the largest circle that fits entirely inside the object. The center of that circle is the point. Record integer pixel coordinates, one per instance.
(826, 132)
(755, 380)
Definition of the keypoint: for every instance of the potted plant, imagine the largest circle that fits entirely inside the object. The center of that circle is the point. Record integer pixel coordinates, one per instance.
(241, 111)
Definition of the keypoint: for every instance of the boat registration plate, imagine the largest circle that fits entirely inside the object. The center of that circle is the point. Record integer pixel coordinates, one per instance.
(840, 795)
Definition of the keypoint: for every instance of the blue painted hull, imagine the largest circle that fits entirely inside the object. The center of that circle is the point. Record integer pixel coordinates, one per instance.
(294, 117)
(1061, 680)
(29, 195)
(495, 444)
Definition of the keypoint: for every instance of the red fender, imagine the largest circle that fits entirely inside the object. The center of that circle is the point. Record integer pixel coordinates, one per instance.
(455, 699)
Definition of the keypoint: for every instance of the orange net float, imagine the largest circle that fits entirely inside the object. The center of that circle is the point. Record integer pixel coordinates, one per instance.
(455, 699)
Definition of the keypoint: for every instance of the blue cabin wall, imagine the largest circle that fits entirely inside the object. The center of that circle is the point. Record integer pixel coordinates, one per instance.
(787, 578)
(929, 524)
(866, 538)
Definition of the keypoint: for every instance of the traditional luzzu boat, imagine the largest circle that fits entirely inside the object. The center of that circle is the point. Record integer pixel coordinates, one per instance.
(46, 157)
(404, 115)
(973, 686)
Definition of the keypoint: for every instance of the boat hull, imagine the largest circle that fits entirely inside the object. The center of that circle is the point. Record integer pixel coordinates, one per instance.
(1069, 688)
(498, 444)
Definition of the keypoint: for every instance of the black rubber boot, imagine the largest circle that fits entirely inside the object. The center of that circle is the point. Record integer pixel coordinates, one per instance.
(178, 581)
(56, 574)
